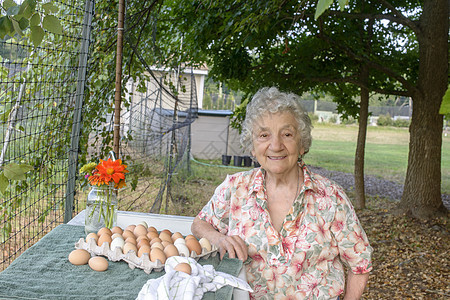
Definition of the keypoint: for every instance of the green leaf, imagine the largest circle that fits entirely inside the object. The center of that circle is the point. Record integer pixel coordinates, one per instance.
(445, 105)
(12, 11)
(24, 23)
(14, 171)
(322, 5)
(4, 183)
(35, 20)
(8, 3)
(17, 27)
(26, 167)
(50, 7)
(6, 26)
(52, 24)
(37, 34)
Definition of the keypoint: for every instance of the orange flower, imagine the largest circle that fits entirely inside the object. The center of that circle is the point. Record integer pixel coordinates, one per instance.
(107, 171)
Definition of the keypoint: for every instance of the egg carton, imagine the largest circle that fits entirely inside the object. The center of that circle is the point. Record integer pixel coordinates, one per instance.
(131, 258)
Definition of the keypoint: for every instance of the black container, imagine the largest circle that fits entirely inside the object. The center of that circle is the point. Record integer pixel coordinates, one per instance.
(226, 159)
(237, 161)
(247, 161)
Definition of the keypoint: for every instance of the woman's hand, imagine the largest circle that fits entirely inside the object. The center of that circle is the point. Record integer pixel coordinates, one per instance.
(234, 245)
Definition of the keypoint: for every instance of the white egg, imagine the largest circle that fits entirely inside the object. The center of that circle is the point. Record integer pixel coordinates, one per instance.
(117, 242)
(143, 223)
(205, 244)
(179, 241)
(183, 250)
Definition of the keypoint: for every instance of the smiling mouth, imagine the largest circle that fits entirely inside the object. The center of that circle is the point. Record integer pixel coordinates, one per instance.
(276, 157)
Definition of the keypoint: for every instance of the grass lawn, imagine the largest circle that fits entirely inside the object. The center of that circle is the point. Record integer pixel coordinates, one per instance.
(334, 148)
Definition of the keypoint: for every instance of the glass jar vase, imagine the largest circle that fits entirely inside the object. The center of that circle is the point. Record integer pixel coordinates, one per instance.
(101, 208)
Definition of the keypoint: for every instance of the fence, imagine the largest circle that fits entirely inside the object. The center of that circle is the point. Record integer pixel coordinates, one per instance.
(41, 92)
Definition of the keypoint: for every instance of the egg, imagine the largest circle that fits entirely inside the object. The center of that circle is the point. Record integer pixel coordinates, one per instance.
(131, 240)
(182, 250)
(144, 249)
(142, 237)
(129, 247)
(140, 230)
(127, 233)
(167, 231)
(190, 236)
(79, 257)
(116, 235)
(165, 243)
(116, 229)
(155, 240)
(204, 242)
(130, 227)
(90, 236)
(151, 228)
(170, 250)
(104, 230)
(183, 267)
(180, 241)
(194, 245)
(152, 234)
(157, 245)
(142, 243)
(157, 254)
(164, 236)
(117, 242)
(176, 236)
(98, 263)
(144, 224)
(104, 238)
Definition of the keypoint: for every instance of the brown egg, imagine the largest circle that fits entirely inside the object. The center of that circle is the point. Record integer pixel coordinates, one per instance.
(79, 257)
(90, 236)
(98, 263)
(130, 227)
(143, 242)
(104, 238)
(157, 245)
(128, 247)
(155, 240)
(176, 236)
(194, 245)
(116, 229)
(170, 250)
(152, 234)
(190, 236)
(167, 231)
(164, 236)
(165, 243)
(157, 254)
(140, 230)
(126, 234)
(142, 237)
(183, 267)
(131, 240)
(151, 228)
(144, 249)
(104, 230)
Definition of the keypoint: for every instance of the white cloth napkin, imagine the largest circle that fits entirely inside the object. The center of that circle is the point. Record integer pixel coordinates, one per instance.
(178, 285)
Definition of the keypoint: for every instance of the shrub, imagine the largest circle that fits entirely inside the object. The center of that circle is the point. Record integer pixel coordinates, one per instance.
(402, 123)
(332, 120)
(385, 120)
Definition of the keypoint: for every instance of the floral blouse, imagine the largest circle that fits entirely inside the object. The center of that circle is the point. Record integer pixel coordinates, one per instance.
(305, 259)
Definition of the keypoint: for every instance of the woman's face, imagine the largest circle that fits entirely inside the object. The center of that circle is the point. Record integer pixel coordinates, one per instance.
(276, 142)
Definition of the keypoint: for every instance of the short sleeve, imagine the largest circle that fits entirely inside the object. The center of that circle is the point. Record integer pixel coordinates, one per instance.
(353, 244)
(217, 210)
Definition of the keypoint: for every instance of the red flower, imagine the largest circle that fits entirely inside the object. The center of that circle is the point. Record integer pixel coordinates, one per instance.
(107, 171)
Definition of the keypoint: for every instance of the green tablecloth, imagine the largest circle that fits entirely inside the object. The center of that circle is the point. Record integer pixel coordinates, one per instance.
(44, 272)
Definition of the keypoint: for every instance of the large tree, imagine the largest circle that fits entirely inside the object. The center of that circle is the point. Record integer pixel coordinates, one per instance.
(258, 43)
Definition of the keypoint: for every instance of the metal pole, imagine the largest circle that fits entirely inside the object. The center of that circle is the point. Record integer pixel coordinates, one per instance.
(118, 93)
(79, 99)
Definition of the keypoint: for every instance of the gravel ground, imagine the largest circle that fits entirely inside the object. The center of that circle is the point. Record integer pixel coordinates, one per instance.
(374, 186)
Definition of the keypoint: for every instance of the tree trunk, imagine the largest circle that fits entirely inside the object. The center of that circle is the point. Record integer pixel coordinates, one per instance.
(360, 194)
(422, 191)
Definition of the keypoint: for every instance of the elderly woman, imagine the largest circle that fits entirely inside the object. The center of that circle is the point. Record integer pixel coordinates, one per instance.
(294, 229)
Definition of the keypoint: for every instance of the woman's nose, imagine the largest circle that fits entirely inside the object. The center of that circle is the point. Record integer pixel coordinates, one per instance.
(276, 143)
